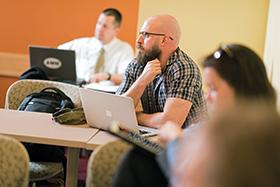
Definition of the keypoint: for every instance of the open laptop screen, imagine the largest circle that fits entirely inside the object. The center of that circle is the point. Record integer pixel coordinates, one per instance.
(102, 109)
(59, 64)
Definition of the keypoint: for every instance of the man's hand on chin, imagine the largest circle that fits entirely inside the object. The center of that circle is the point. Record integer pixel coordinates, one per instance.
(151, 70)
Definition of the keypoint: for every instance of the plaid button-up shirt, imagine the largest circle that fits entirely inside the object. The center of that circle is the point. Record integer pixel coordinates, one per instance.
(180, 79)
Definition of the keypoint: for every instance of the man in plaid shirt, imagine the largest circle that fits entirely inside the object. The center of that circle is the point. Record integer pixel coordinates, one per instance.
(163, 77)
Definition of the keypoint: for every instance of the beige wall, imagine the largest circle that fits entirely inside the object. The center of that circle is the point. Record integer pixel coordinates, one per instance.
(207, 23)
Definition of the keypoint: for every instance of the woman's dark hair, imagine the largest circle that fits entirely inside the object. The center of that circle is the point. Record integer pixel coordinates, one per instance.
(243, 70)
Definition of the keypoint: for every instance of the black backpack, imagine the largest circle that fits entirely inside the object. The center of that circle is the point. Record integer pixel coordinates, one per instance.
(34, 73)
(49, 100)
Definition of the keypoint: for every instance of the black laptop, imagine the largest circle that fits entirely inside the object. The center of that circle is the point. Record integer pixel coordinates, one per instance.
(58, 64)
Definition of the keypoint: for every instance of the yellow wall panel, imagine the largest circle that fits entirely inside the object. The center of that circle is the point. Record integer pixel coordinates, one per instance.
(207, 23)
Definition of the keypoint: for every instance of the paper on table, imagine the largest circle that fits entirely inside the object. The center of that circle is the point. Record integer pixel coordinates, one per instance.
(102, 87)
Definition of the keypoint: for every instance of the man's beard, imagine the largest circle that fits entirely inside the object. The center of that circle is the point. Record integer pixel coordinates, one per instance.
(144, 57)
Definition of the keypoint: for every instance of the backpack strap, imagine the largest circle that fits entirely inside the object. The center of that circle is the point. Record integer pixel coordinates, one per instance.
(56, 90)
(34, 73)
(66, 101)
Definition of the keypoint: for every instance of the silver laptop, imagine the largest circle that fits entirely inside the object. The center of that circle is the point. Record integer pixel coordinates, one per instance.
(58, 64)
(102, 109)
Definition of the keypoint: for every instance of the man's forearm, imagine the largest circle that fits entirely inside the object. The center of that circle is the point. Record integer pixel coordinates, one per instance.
(136, 91)
(151, 70)
(116, 78)
(155, 120)
(150, 120)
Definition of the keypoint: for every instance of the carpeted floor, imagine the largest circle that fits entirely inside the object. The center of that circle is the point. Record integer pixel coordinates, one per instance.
(82, 173)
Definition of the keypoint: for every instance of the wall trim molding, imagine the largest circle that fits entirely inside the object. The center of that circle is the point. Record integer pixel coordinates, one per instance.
(13, 64)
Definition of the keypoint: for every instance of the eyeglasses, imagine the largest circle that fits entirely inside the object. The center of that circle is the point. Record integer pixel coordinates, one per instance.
(147, 34)
(226, 50)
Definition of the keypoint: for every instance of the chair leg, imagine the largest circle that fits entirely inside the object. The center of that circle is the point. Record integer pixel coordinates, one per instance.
(32, 184)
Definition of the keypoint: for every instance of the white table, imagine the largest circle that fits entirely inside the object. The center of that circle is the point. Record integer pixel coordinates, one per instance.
(34, 127)
(100, 138)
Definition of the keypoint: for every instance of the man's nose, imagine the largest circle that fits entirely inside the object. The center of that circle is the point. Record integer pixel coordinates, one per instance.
(139, 39)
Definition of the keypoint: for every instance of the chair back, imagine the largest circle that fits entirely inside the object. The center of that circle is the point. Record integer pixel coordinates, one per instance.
(20, 89)
(14, 163)
(103, 163)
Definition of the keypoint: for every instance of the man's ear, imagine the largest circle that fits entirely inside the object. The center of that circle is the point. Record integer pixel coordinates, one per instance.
(164, 41)
(117, 30)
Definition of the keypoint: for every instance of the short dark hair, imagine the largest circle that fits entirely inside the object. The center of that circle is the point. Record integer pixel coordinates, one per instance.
(243, 70)
(114, 12)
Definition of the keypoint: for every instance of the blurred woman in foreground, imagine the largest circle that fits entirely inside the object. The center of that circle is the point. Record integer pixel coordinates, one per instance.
(238, 147)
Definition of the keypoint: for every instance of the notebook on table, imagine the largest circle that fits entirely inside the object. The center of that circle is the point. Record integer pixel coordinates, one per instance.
(58, 64)
(102, 109)
(103, 86)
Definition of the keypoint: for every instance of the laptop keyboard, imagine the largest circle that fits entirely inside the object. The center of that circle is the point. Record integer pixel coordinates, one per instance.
(136, 139)
(144, 143)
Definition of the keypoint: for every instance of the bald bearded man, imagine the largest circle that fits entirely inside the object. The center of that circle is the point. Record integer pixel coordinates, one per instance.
(168, 84)
(162, 77)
